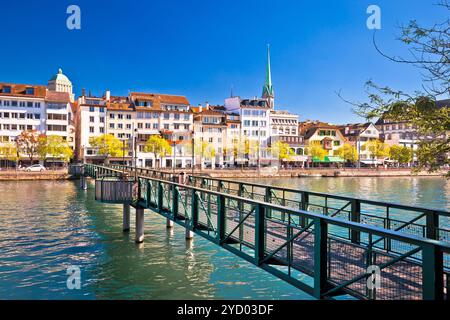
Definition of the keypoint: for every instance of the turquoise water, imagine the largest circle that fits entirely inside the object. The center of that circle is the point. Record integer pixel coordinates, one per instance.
(47, 226)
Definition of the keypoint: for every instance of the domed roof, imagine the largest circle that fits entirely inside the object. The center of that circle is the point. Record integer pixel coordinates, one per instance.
(60, 76)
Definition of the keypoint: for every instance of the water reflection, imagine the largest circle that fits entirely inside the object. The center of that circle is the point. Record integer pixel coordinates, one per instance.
(49, 226)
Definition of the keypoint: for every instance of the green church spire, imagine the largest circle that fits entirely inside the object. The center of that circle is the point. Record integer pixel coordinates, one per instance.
(268, 89)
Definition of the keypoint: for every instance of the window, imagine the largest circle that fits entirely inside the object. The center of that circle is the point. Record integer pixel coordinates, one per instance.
(91, 109)
(177, 116)
(119, 125)
(6, 89)
(37, 104)
(91, 129)
(155, 126)
(246, 123)
(30, 104)
(166, 126)
(102, 109)
(186, 116)
(21, 115)
(13, 103)
(140, 125)
(111, 115)
(128, 126)
(37, 116)
(102, 130)
(120, 116)
(91, 119)
(148, 126)
(29, 91)
(111, 125)
(129, 116)
(102, 119)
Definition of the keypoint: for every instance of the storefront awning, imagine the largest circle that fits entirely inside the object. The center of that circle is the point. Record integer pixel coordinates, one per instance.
(328, 159)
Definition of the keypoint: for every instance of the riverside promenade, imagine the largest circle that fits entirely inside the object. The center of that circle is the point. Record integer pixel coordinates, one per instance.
(62, 174)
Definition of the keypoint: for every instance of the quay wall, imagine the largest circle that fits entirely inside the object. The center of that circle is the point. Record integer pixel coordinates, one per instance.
(22, 175)
(237, 173)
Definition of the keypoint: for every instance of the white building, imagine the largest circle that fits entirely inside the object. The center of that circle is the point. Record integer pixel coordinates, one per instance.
(46, 110)
(136, 118)
(255, 126)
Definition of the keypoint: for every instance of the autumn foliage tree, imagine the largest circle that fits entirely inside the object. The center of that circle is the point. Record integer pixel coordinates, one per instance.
(107, 145)
(28, 142)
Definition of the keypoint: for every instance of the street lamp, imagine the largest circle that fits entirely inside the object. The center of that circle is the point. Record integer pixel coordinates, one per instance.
(135, 154)
(193, 152)
(174, 151)
(123, 155)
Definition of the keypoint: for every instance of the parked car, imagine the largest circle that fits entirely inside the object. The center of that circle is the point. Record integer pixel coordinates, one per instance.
(35, 167)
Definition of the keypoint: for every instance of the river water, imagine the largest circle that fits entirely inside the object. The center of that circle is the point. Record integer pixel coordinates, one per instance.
(47, 226)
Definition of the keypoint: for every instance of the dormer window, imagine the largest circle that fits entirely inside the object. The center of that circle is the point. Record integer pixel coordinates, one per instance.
(6, 89)
(29, 91)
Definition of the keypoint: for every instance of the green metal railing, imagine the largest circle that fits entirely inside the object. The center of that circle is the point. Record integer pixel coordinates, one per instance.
(322, 255)
(423, 222)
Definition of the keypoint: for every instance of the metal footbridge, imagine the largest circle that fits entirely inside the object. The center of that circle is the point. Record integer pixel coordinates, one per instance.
(329, 246)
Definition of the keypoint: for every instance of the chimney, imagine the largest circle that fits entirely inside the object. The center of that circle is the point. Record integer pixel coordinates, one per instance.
(206, 105)
(200, 108)
(108, 95)
(83, 92)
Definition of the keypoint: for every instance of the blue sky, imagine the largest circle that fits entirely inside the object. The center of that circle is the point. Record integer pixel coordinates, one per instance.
(200, 48)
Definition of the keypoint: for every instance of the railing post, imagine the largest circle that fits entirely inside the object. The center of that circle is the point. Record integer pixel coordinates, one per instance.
(355, 216)
(320, 257)
(304, 207)
(268, 199)
(259, 233)
(432, 273)
(160, 196)
(175, 201)
(194, 209)
(221, 219)
(432, 220)
(149, 193)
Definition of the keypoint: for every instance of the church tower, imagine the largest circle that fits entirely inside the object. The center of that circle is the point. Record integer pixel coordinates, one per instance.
(268, 92)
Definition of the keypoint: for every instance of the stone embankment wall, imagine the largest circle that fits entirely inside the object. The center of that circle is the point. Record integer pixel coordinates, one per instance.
(46, 175)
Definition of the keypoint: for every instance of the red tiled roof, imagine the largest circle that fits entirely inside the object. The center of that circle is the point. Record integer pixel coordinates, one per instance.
(18, 90)
(160, 98)
(53, 96)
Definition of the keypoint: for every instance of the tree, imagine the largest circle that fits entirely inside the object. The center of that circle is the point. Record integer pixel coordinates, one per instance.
(9, 152)
(206, 151)
(430, 54)
(401, 154)
(347, 152)
(55, 147)
(315, 150)
(376, 149)
(281, 150)
(27, 143)
(158, 146)
(107, 145)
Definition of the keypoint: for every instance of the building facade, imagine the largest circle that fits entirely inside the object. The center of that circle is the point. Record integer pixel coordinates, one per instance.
(44, 109)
